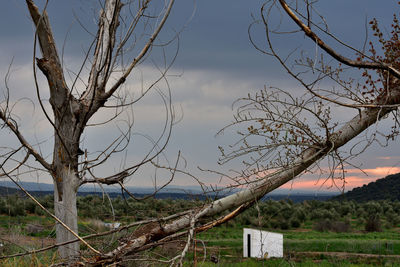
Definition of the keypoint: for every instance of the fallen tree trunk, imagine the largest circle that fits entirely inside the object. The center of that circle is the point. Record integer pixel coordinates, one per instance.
(308, 157)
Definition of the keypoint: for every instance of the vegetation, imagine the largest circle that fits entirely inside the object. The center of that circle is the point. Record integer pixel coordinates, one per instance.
(385, 188)
(309, 227)
(285, 135)
(335, 215)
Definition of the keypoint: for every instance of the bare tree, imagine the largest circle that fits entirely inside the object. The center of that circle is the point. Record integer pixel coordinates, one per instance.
(283, 136)
(126, 34)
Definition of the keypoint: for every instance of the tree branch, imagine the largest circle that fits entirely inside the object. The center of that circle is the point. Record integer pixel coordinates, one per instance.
(269, 182)
(353, 63)
(24, 142)
(101, 66)
(142, 53)
(50, 63)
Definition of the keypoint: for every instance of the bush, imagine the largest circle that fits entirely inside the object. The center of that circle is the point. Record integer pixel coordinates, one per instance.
(300, 215)
(30, 207)
(39, 211)
(3, 207)
(284, 225)
(340, 227)
(322, 225)
(373, 224)
(334, 226)
(275, 224)
(17, 210)
(295, 223)
(321, 213)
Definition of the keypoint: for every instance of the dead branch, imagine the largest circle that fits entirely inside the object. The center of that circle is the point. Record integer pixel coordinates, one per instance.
(269, 182)
(353, 63)
(14, 128)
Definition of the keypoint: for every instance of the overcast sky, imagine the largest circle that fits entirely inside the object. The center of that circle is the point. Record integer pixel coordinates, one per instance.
(216, 65)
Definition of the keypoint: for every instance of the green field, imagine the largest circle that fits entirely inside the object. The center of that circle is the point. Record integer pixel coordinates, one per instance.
(378, 248)
(315, 233)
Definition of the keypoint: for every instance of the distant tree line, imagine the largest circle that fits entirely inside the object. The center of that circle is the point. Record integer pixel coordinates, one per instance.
(337, 216)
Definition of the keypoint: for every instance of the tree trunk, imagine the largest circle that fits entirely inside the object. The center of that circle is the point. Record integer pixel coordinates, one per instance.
(341, 137)
(66, 181)
(65, 209)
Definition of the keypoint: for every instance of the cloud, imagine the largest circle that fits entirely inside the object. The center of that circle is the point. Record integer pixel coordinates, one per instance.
(354, 178)
(218, 64)
(388, 158)
(381, 171)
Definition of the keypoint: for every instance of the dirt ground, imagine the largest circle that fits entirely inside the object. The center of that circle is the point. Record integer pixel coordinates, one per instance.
(10, 237)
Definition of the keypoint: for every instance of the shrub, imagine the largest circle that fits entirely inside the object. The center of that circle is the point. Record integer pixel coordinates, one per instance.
(373, 224)
(3, 207)
(30, 207)
(275, 224)
(322, 225)
(340, 227)
(334, 226)
(284, 225)
(300, 215)
(39, 211)
(295, 223)
(323, 214)
(17, 210)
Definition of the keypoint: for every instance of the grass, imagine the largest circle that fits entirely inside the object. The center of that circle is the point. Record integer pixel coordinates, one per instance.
(227, 241)
(288, 263)
(393, 234)
(379, 247)
(42, 260)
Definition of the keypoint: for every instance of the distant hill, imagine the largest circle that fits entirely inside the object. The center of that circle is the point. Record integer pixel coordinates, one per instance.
(46, 189)
(6, 191)
(385, 188)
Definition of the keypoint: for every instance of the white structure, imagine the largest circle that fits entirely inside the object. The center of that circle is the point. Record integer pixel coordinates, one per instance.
(262, 244)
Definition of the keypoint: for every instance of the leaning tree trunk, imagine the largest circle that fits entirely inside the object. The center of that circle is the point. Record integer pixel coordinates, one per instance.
(346, 133)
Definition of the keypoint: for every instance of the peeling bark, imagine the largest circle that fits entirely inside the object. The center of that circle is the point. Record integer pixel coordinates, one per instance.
(65, 209)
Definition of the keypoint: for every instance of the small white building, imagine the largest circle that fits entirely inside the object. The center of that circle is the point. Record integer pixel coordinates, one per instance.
(262, 244)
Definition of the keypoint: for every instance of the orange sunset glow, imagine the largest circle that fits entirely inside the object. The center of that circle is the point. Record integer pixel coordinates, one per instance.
(354, 178)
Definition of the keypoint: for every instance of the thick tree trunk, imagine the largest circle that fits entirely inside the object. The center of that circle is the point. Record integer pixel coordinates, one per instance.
(65, 209)
(66, 181)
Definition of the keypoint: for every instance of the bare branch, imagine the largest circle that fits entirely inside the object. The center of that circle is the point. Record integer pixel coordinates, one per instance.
(353, 63)
(24, 142)
(142, 53)
(50, 63)
(268, 183)
(100, 72)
